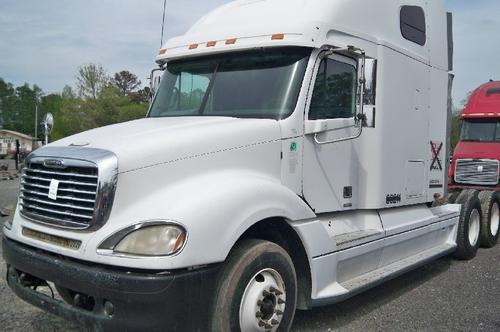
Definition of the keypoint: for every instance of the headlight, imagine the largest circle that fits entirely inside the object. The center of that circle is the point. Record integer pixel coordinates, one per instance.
(149, 239)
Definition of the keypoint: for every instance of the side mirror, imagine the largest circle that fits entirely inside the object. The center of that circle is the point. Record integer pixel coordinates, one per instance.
(48, 123)
(48, 126)
(155, 80)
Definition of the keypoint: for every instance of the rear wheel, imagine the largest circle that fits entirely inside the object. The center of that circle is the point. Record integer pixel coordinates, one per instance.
(490, 221)
(256, 290)
(469, 226)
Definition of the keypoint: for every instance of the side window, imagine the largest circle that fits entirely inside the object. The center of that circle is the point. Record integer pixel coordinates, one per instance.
(413, 24)
(334, 94)
(188, 92)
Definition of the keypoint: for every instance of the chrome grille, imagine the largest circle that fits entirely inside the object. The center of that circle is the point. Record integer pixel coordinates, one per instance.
(76, 194)
(85, 188)
(477, 172)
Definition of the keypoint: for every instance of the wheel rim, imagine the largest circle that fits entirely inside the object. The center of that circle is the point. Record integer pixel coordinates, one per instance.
(494, 219)
(263, 302)
(474, 227)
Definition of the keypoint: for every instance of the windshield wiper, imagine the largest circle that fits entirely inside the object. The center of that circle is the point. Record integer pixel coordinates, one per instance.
(209, 90)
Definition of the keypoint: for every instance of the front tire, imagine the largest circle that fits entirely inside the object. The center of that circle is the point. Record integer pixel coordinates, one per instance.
(490, 222)
(256, 289)
(469, 226)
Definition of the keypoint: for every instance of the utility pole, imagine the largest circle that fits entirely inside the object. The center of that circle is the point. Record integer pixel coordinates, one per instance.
(36, 122)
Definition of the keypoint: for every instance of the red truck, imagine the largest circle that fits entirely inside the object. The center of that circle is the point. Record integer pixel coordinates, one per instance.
(476, 159)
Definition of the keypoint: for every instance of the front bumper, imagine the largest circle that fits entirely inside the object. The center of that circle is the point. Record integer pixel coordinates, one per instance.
(141, 300)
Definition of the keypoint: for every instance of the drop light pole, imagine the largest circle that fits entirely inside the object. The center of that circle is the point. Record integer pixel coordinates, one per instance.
(36, 121)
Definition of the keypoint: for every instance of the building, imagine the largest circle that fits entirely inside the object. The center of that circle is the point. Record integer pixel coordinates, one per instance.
(8, 142)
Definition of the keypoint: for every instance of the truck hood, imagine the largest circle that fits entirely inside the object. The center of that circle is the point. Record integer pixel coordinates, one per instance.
(477, 150)
(152, 141)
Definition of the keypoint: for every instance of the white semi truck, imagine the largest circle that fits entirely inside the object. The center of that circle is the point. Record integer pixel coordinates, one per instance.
(288, 160)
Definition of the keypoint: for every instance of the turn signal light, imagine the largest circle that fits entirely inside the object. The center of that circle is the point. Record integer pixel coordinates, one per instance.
(278, 36)
(162, 51)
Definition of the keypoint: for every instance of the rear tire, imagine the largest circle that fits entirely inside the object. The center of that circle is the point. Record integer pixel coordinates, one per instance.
(490, 205)
(256, 290)
(451, 197)
(469, 226)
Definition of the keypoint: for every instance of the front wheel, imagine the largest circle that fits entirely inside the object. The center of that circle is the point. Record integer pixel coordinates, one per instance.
(256, 289)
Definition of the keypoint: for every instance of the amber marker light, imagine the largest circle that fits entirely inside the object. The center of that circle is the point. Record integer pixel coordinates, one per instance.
(193, 46)
(231, 41)
(211, 43)
(278, 36)
(163, 51)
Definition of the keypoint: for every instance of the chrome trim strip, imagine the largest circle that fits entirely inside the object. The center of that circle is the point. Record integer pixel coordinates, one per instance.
(60, 189)
(62, 174)
(42, 201)
(92, 201)
(60, 181)
(70, 214)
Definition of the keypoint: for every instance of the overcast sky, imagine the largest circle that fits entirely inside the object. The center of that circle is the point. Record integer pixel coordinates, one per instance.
(43, 42)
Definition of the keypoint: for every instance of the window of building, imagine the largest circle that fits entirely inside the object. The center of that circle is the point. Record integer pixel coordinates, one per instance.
(334, 94)
(413, 24)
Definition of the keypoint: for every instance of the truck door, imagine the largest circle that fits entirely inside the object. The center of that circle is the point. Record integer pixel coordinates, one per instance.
(330, 170)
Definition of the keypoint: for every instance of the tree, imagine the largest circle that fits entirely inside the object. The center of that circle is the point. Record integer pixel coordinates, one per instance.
(125, 82)
(17, 107)
(67, 92)
(90, 80)
(141, 96)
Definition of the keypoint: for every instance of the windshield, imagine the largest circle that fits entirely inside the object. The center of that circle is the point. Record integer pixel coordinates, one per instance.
(480, 131)
(259, 84)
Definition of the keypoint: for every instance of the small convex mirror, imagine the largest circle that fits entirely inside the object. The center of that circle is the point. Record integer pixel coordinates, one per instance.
(48, 123)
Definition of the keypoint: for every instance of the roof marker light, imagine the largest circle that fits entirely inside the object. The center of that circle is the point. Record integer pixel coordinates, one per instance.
(162, 51)
(211, 43)
(231, 41)
(193, 46)
(278, 36)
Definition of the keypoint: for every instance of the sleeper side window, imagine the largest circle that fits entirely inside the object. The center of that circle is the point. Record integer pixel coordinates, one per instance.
(413, 24)
(334, 94)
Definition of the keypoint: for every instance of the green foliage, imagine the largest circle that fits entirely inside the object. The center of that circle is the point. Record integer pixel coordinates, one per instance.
(125, 82)
(99, 104)
(17, 106)
(90, 80)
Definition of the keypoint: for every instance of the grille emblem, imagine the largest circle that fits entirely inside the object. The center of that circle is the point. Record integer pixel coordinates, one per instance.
(54, 163)
(480, 168)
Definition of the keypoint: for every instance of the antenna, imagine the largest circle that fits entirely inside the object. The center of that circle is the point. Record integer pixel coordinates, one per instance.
(163, 22)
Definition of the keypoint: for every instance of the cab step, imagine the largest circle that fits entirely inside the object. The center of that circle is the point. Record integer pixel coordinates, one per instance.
(393, 270)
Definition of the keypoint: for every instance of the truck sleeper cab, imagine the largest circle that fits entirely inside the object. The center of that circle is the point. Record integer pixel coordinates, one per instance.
(287, 166)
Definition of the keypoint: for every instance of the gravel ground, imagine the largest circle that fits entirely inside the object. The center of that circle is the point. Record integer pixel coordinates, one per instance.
(446, 295)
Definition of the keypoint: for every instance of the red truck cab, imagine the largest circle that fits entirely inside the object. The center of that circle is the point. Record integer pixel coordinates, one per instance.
(475, 162)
